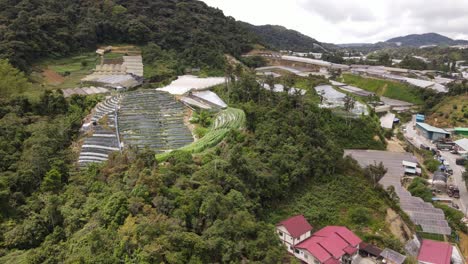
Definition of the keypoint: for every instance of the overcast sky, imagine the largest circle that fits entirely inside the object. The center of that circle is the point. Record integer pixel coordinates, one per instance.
(352, 21)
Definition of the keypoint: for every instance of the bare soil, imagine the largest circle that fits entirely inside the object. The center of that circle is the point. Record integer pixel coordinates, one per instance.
(398, 228)
(464, 244)
(394, 145)
(52, 77)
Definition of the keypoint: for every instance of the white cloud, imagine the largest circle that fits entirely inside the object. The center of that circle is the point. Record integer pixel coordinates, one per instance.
(345, 21)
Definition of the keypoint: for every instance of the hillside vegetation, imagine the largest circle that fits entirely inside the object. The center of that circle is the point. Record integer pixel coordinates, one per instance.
(216, 206)
(38, 29)
(451, 112)
(281, 38)
(391, 89)
(425, 39)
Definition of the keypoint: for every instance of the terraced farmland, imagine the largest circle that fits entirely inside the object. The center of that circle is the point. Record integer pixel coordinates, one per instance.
(104, 140)
(153, 119)
(226, 120)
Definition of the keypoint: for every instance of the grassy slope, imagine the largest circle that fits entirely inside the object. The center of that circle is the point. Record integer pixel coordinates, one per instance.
(394, 90)
(445, 114)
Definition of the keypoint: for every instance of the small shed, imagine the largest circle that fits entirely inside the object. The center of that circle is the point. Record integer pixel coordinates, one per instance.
(411, 168)
(432, 133)
(392, 257)
(420, 118)
(369, 250)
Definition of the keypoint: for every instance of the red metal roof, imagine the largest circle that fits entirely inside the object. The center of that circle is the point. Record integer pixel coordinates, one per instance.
(332, 261)
(435, 252)
(331, 242)
(342, 231)
(350, 250)
(296, 225)
(315, 248)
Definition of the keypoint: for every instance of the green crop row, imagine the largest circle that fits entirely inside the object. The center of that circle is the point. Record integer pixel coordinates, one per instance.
(226, 120)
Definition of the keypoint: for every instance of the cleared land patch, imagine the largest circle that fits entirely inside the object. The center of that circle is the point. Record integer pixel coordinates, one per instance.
(52, 77)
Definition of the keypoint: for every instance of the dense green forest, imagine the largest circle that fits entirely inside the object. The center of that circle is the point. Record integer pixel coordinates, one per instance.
(281, 38)
(201, 35)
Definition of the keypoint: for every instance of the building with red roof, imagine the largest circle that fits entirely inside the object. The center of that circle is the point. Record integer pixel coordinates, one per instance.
(434, 252)
(329, 245)
(293, 231)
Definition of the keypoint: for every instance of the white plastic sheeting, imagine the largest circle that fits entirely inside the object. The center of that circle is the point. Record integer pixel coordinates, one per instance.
(210, 97)
(386, 121)
(280, 88)
(186, 83)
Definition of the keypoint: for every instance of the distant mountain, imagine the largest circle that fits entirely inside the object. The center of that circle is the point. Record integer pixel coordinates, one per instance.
(281, 38)
(417, 40)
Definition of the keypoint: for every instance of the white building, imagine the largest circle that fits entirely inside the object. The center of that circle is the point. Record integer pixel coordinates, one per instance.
(293, 231)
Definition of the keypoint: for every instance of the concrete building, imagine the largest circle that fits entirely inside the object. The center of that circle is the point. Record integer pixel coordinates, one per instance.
(430, 132)
(293, 231)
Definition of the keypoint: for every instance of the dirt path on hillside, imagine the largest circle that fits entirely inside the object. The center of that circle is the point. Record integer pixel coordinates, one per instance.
(52, 77)
(382, 91)
(398, 228)
(464, 244)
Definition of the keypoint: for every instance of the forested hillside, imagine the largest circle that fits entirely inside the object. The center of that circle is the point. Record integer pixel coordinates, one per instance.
(210, 207)
(281, 38)
(36, 29)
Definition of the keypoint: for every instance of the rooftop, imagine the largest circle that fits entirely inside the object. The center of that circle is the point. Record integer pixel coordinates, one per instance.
(432, 129)
(463, 143)
(296, 225)
(435, 252)
(461, 129)
(331, 242)
(393, 256)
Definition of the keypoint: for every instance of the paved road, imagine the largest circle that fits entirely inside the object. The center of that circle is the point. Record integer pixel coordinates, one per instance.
(412, 135)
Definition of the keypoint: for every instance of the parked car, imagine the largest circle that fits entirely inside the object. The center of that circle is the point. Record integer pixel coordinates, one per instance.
(424, 147)
(461, 162)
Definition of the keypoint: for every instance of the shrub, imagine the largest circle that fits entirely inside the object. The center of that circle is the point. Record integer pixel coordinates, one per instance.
(431, 164)
(360, 216)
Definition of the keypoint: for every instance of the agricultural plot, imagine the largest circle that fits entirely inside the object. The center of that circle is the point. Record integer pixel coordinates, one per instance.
(153, 119)
(104, 140)
(226, 120)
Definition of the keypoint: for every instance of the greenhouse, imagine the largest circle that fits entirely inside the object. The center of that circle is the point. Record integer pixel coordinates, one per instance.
(104, 139)
(153, 119)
